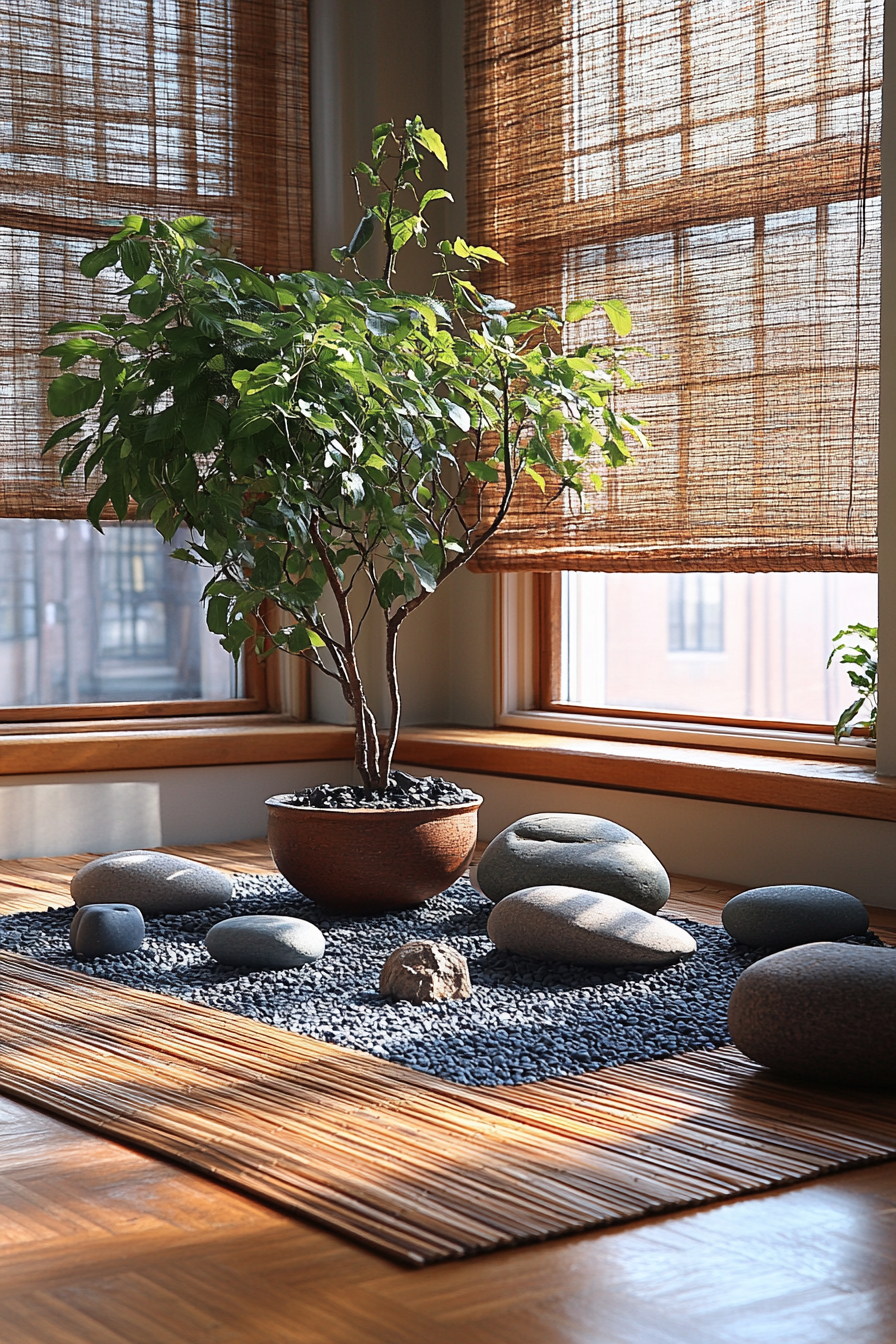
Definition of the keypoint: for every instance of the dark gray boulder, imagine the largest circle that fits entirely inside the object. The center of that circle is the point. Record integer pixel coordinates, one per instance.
(556, 923)
(781, 917)
(265, 942)
(823, 1011)
(158, 884)
(573, 849)
(106, 930)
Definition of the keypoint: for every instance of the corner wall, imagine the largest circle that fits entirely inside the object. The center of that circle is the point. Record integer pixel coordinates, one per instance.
(42, 815)
(727, 842)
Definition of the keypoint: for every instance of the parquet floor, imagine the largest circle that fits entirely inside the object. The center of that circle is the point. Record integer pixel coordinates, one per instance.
(101, 1245)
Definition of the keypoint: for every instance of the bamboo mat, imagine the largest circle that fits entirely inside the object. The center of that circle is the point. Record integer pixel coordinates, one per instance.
(408, 1165)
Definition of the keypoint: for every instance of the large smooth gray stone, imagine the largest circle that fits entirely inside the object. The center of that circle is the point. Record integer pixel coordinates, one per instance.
(158, 884)
(823, 1011)
(106, 930)
(573, 849)
(265, 942)
(786, 916)
(554, 923)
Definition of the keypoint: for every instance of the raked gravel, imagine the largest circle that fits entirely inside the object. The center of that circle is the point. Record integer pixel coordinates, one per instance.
(524, 1022)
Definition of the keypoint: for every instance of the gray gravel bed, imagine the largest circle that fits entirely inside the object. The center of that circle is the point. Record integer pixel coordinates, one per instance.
(525, 1022)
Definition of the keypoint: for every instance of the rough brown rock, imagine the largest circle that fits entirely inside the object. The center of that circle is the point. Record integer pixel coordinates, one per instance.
(823, 1011)
(424, 972)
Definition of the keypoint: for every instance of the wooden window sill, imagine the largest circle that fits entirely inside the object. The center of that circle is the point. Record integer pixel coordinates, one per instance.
(799, 783)
(141, 744)
(803, 784)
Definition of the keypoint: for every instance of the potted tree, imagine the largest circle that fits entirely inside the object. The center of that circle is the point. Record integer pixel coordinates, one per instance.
(333, 448)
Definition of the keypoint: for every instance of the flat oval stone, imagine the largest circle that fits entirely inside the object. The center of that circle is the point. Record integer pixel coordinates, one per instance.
(786, 916)
(556, 923)
(823, 1011)
(265, 942)
(158, 884)
(575, 850)
(106, 930)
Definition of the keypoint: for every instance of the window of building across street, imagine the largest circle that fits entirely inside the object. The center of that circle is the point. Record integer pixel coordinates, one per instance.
(99, 618)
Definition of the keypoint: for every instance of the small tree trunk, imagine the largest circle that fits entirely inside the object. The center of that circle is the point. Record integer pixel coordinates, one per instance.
(387, 748)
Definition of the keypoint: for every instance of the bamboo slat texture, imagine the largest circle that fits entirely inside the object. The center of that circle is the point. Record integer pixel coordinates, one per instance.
(411, 1166)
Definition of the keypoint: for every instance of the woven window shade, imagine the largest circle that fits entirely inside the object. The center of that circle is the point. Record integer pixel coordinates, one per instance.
(714, 163)
(159, 107)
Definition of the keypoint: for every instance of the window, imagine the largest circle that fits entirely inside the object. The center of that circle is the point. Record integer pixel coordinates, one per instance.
(90, 618)
(109, 108)
(716, 166)
(695, 613)
(726, 647)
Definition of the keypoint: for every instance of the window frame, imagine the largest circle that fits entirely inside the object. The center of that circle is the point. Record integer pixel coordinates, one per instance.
(528, 683)
(254, 700)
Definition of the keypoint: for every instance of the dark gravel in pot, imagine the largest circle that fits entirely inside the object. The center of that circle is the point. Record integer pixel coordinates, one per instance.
(524, 1022)
(403, 791)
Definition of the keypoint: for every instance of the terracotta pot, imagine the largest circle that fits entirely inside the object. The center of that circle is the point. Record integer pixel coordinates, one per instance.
(360, 861)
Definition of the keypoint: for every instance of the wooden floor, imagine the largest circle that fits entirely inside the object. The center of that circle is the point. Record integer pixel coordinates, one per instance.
(100, 1245)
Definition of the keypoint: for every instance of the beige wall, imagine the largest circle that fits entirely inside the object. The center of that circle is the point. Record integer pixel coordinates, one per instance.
(102, 811)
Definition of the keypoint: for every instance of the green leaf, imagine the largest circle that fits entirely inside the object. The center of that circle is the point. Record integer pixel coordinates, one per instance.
(99, 260)
(63, 432)
(240, 632)
(70, 351)
(216, 615)
(59, 328)
(205, 319)
(619, 315)
(352, 487)
(459, 414)
(70, 393)
(846, 718)
(203, 425)
(245, 422)
(267, 571)
(536, 477)
(487, 253)
(143, 303)
(578, 309)
(483, 471)
(437, 194)
(299, 637)
(135, 258)
(389, 588)
(126, 227)
(431, 140)
(196, 228)
(362, 234)
(380, 324)
(424, 574)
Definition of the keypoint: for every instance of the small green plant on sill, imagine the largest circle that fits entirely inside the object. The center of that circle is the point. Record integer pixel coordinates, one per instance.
(331, 445)
(857, 650)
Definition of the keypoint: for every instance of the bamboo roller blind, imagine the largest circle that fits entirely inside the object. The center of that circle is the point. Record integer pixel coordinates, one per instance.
(714, 163)
(161, 107)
